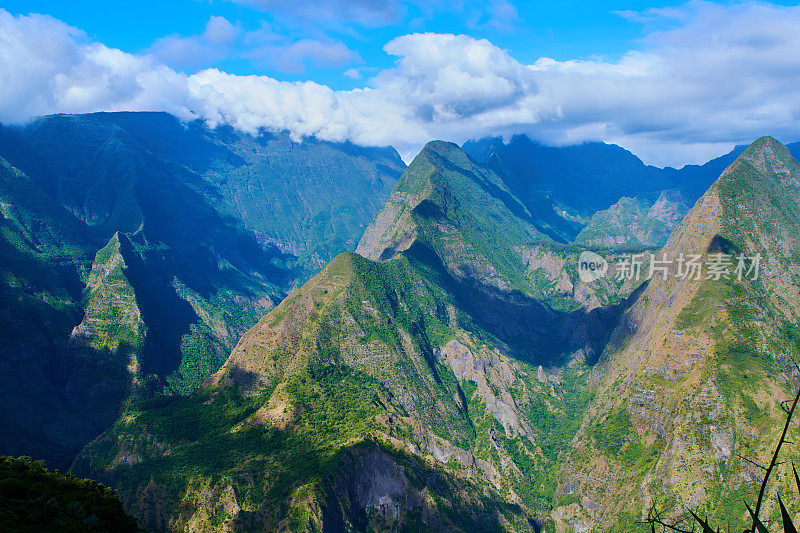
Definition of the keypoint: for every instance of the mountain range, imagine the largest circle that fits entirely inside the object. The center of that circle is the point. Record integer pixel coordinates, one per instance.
(242, 332)
(137, 250)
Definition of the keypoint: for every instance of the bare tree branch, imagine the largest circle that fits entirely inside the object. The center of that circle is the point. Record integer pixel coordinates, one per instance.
(774, 461)
(743, 458)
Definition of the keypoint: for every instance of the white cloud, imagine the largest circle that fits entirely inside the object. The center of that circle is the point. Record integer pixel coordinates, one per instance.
(221, 40)
(49, 67)
(723, 75)
(449, 77)
(294, 56)
(363, 116)
(214, 44)
(704, 78)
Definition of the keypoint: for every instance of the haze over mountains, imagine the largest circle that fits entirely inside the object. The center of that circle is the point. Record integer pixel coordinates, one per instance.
(440, 365)
(573, 174)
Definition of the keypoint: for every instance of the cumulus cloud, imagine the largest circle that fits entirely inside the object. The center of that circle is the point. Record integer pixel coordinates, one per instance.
(723, 74)
(705, 77)
(50, 67)
(447, 77)
(364, 116)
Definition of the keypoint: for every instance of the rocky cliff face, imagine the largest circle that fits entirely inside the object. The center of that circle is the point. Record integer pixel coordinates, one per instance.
(434, 348)
(688, 391)
(457, 374)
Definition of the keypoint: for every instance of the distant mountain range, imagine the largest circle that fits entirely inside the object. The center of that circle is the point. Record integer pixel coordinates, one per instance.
(137, 250)
(441, 365)
(589, 177)
(567, 186)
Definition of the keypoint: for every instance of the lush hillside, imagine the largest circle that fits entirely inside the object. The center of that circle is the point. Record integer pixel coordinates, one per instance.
(635, 222)
(456, 373)
(406, 390)
(309, 199)
(486, 240)
(440, 357)
(464, 211)
(137, 250)
(323, 410)
(689, 390)
(33, 499)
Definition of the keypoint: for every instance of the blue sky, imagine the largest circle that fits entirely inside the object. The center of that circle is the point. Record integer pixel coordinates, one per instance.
(675, 82)
(569, 29)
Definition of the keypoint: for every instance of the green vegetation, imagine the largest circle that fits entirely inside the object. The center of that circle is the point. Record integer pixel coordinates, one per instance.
(634, 221)
(33, 499)
(133, 241)
(294, 468)
(706, 304)
(617, 437)
(559, 423)
(465, 214)
(336, 405)
(198, 427)
(370, 351)
(401, 394)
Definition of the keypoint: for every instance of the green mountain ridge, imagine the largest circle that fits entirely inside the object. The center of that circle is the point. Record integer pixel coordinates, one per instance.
(635, 222)
(688, 389)
(392, 364)
(455, 373)
(589, 177)
(293, 405)
(462, 214)
(435, 352)
(86, 162)
(137, 250)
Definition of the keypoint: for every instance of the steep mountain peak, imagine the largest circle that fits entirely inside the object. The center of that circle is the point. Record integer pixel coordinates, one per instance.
(698, 354)
(247, 365)
(159, 242)
(443, 175)
(434, 155)
(463, 212)
(350, 361)
(767, 154)
(444, 148)
(748, 209)
(428, 167)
